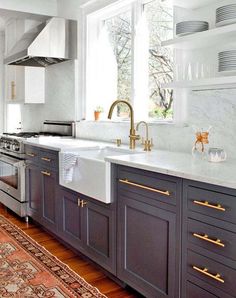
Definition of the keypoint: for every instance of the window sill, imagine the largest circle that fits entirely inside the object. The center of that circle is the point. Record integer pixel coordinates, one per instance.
(150, 123)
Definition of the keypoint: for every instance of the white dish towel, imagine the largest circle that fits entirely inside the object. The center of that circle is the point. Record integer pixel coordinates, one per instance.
(68, 162)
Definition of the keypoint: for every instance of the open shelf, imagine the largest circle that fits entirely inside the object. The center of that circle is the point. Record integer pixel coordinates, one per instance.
(192, 4)
(204, 84)
(203, 39)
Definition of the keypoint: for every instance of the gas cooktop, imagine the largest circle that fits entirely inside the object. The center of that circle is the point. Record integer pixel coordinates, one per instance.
(26, 135)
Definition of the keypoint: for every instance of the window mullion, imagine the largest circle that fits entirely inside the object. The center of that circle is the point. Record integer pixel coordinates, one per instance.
(140, 63)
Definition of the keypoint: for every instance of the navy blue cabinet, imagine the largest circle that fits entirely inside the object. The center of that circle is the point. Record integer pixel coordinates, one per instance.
(149, 232)
(89, 226)
(209, 241)
(42, 186)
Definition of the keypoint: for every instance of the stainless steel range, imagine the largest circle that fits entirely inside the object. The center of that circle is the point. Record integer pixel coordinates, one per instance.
(12, 163)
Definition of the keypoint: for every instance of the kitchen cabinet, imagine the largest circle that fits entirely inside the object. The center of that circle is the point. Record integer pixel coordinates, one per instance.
(42, 186)
(88, 226)
(149, 232)
(25, 84)
(33, 191)
(209, 240)
(84, 223)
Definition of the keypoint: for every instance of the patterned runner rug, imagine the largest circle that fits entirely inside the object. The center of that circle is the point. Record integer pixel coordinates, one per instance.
(29, 270)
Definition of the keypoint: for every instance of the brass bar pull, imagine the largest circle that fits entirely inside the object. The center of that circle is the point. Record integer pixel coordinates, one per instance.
(13, 90)
(206, 204)
(81, 203)
(126, 181)
(205, 237)
(31, 154)
(205, 272)
(45, 173)
(46, 159)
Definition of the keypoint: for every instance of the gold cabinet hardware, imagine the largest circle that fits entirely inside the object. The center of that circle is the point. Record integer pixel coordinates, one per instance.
(118, 142)
(31, 154)
(45, 173)
(13, 90)
(205, 272)
(81, 203)
(205, 237)
(207, 204)
(126, 181)
(46, 159)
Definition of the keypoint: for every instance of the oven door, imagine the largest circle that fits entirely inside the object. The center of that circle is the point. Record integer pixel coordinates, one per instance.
(12, 177)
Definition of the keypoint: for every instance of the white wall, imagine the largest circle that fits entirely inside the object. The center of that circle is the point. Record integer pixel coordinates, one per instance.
(60, 97)
(2, 81)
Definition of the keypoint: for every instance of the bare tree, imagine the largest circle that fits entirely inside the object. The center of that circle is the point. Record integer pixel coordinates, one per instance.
(160, 20)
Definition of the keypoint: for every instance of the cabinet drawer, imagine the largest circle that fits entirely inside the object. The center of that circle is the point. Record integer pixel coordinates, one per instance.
(215, 204)
(212, 238)
(212, 272)
(194, 291)
(32, 153)
(48, 158)
(152, 185)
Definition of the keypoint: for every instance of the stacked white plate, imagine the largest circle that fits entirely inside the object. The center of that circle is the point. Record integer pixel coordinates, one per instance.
(227, 61)
(226, 15)
(189, 27)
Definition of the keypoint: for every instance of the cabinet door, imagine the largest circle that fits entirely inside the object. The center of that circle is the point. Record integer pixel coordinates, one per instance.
(69, 218)
(15, 83)
(49, 198)
(147, 248)
(33, 191)
(99, 234)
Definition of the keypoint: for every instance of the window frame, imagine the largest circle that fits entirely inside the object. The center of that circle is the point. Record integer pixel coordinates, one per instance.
(99, 12)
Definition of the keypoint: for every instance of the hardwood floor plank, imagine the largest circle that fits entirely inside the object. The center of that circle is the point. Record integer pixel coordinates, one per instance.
(85, 269)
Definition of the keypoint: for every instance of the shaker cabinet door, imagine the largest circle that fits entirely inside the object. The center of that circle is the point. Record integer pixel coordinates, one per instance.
(33, 192)
(99, 234)
(49, 199)
(146, 248)
(69, 218)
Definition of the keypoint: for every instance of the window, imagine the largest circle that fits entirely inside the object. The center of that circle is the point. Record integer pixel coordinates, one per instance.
(125, 59)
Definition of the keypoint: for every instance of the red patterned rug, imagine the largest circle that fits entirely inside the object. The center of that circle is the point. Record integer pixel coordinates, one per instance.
(28, 270)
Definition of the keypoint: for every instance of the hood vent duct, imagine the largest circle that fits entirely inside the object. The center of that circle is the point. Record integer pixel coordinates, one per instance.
(49, 43)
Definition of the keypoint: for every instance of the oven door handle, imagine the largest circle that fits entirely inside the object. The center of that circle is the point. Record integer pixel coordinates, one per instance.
(12, 161)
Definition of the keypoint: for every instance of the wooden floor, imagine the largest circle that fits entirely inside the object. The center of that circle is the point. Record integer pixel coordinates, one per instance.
(84, 268)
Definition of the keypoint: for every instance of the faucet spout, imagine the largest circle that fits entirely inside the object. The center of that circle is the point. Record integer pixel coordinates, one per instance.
(133, 137)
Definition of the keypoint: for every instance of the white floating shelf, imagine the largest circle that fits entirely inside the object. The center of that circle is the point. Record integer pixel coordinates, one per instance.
(192, 4)
(203, 39)
(204, 84)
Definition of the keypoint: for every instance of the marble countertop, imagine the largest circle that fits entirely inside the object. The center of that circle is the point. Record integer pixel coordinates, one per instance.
(182, 165)
(165, 162)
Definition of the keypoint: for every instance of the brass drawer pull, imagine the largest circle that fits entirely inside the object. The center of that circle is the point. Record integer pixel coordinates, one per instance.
(205, 272)
(46, 159)
(13, 90)
(206, 204)
(81, 203)
(31, 154)
(126, 181)
(205, 237)
(45, 173)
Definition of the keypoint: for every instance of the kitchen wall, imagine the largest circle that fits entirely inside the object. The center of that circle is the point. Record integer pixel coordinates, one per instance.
(1, 80)
(204, 108)
(60, 97)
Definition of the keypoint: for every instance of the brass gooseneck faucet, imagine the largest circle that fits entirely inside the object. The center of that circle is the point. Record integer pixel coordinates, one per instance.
(132, 136)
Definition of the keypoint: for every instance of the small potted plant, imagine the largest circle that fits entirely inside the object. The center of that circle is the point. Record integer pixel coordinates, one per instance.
(97, 112)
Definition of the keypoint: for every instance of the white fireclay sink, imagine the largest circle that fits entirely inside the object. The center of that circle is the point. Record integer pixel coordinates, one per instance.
(91, 174)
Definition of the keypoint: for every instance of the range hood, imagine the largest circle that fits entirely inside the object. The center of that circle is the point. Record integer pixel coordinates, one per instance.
(49, 43)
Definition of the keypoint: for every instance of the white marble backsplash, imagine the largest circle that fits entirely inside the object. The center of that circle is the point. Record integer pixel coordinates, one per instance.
(204, 109)
(2, 43)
